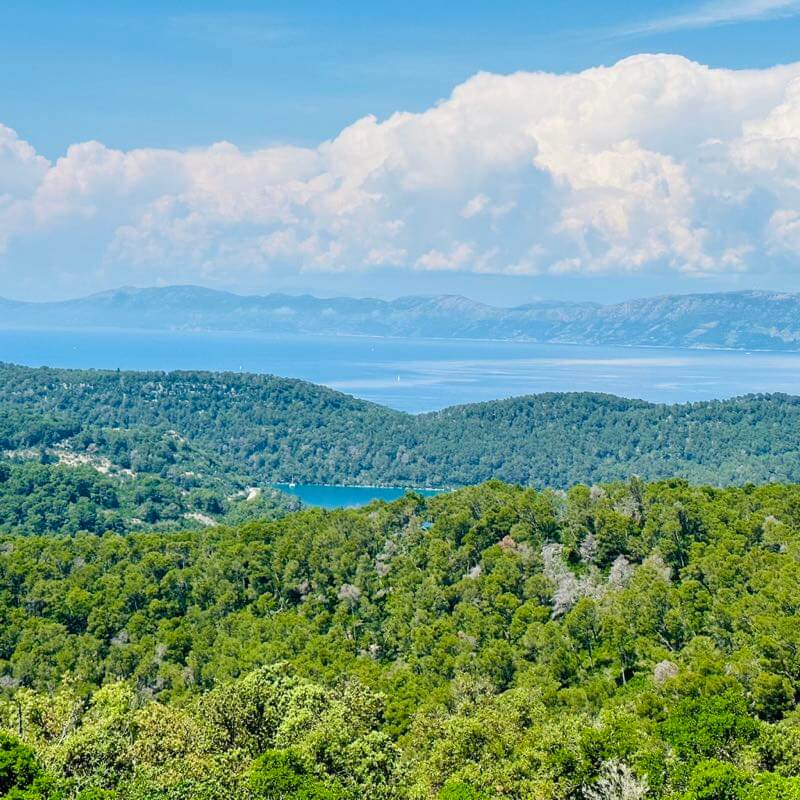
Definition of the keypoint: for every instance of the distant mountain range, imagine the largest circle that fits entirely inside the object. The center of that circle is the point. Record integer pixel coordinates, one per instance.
(739, 320)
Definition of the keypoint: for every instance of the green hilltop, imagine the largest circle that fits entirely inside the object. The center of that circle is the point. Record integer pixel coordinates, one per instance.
(268, 429)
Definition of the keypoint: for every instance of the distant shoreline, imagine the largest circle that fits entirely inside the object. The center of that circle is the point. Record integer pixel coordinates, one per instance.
(256, 333)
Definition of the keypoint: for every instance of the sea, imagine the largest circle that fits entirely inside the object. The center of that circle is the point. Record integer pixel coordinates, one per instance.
(418, 375)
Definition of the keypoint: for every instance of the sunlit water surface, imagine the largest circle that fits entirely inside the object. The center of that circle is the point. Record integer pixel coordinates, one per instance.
(422, 374)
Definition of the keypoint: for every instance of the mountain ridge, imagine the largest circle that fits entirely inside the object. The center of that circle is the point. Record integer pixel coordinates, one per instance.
(747, 319)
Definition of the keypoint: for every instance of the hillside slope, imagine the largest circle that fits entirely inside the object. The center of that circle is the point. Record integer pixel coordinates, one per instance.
(275, 429)
(626, 642)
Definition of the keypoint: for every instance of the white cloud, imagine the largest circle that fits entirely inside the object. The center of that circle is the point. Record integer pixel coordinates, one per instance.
(784, 230)
(501, 209)
(481, 204)
(475, 206)
(458, 257)
(386, 256)
(530, 263)
(21, 172)
(719, 12)
(21, 169)
(565, 266)
(656, 161)
(768, 150)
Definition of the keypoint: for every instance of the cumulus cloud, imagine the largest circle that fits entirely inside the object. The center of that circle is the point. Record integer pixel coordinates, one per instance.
(458, 257)
(21, 169)
(655, 161)
(784, 230)
(21, 172)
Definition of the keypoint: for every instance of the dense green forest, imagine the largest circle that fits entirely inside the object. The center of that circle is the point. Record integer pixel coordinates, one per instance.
(58, 477)
(269, 429)
(628, 640)
(44, 498)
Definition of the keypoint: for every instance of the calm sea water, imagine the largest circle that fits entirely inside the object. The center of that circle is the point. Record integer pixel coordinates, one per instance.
(422, 374)
(418, 374)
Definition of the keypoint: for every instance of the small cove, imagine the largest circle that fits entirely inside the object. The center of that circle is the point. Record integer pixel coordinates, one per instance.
(325, 496)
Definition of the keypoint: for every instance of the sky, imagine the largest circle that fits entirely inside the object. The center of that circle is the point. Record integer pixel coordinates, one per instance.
(506, 150)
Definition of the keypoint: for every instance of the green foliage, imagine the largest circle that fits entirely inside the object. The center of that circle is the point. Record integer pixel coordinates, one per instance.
(715, 780)
(459, 791)
(61, 475)
(18, 765)
(196, 428)
(479, 644)
(21, 776)
(44, 498)
(281, 775)
(709, 725)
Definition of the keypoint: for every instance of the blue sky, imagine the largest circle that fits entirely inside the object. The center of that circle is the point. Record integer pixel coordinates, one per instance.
(145, 76)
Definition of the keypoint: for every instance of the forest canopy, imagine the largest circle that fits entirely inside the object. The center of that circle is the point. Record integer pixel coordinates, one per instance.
(625, 640)
(259, 429)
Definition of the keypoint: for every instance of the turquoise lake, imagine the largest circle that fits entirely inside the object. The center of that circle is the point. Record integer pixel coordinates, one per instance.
(345, 496)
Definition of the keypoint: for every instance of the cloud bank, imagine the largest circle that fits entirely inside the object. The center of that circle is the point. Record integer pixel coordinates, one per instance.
(655, 162)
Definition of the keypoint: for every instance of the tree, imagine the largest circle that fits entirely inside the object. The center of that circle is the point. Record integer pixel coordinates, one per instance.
(282, 775)
(716, 780)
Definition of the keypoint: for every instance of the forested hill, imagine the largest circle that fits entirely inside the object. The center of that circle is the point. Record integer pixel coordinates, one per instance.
(274, 429)
(624, 642)
(743, 320)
